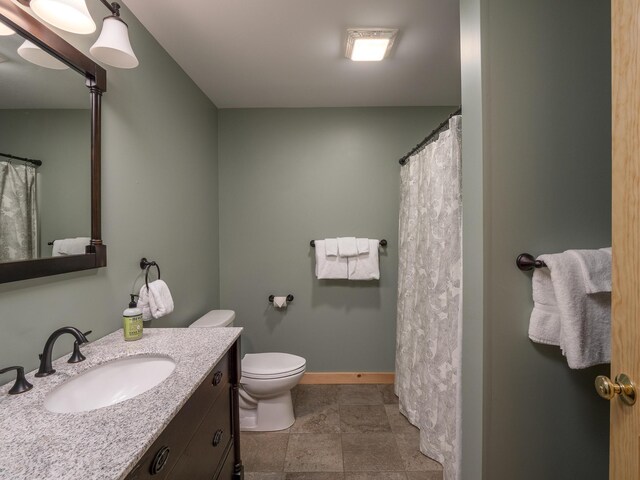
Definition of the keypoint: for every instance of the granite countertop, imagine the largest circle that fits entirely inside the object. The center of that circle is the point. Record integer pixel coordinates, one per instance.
(105, 443)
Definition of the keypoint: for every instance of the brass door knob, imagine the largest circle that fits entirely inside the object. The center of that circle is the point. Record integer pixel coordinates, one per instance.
(622, 385)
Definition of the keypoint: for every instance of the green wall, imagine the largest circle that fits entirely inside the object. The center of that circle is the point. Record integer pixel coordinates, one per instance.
(544, 131)
(291, 175)
(62, 142)
(159, 201)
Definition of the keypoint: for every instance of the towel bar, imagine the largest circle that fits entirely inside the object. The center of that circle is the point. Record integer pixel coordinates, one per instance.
(383, 243)
(526, 262)
(289, 298)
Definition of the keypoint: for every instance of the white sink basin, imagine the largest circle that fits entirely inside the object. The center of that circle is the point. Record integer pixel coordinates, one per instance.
(108, 384)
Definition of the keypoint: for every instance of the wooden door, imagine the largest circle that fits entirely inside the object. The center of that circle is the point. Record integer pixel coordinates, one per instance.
(624, 461)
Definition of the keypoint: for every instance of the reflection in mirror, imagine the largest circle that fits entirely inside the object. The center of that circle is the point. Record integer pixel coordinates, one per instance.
(45, 115)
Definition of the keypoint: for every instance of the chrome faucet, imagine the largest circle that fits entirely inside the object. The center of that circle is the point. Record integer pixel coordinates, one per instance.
(45, 358)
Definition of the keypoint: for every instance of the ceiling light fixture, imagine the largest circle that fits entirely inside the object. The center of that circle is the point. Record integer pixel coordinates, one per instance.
(369, 44)
(113, 46)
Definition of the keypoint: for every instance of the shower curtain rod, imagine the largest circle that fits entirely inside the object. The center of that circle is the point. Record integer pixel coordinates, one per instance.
(37, 163)
(429, 137)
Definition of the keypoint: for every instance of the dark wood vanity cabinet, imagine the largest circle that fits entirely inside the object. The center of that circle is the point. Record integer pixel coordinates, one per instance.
(202, 441)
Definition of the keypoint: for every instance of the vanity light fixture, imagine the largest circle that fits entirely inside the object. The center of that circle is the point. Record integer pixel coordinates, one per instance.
(369, 44)
(5, 31)
(112, 47)
(34, 54)
(68, 15)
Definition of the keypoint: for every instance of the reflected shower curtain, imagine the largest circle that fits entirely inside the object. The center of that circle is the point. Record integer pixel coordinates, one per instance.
(18, 212)
(429, 329)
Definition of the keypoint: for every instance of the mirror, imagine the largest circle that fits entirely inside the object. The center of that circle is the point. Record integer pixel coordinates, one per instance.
(44, 115)
(49, 151)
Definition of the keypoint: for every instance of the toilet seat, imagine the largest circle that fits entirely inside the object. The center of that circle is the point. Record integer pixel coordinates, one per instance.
(264, 366)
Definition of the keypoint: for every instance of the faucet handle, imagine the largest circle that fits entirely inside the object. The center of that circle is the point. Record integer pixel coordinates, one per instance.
(21, 385)
(77, 356)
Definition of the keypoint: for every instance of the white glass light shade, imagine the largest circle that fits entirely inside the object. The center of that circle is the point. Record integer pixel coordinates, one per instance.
(369, 49)
(113, 46)
(5, 31)
(34, 54)
(69, 15)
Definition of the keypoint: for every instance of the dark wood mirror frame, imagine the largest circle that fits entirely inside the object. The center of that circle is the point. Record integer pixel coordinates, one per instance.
(96, 80)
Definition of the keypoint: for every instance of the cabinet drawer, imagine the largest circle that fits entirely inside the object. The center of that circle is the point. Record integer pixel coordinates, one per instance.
(207, 447)
(163, 454)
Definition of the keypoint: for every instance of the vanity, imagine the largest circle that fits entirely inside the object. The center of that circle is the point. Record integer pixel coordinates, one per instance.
(185, 427)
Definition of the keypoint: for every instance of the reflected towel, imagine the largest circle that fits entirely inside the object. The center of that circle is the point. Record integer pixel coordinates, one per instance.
(70, 246)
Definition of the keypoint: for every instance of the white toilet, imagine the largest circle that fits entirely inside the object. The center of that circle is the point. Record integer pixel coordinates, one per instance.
(266, 382)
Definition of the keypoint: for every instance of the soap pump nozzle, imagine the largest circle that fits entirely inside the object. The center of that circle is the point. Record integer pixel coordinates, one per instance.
(133, 303)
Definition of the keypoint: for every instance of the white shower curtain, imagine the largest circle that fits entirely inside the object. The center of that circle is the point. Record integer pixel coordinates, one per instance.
(18, 212)
(429, 326)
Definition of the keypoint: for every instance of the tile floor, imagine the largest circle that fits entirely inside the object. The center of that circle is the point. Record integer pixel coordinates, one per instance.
(342, 432)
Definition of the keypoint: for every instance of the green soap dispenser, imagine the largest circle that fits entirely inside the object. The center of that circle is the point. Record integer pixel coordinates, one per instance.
(132, 321)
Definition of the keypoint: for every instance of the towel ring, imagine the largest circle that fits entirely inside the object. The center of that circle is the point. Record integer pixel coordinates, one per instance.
(144, 263)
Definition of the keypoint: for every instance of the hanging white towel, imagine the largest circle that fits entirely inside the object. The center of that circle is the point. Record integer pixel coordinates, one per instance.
(347, 247)
(331, 247)
(329, 267)
(158, 296)
(596, 269)
(544, 325)
(143, 304)
(363, 245)
(365, 266)
(585, 319)
(70, 246)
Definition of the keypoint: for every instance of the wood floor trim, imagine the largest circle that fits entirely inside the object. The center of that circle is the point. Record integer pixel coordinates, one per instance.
(342, 378)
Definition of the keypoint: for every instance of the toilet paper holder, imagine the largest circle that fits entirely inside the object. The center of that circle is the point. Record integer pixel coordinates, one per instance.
(289, 298)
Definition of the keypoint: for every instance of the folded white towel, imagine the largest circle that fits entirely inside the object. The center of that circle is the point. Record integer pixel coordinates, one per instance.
(280, 302)
(596, 269)
(331, 247)
(544, 325)
(143, 304)
(363, 245)
(347, 247)
(159, 300)
(329, 267)
(585, 319)
(365, 266)
(70, 246)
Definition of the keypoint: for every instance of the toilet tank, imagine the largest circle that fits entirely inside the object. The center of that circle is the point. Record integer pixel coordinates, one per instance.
(215, 318)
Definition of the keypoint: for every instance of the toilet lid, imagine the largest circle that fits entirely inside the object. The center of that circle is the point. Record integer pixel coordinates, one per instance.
(270, 364)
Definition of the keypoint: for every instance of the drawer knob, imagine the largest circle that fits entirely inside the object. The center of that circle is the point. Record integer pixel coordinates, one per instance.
(217, 378)
(217, 437)
(160, 460)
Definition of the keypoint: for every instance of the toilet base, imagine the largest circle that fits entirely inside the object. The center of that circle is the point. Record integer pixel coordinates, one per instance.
(270, 414)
